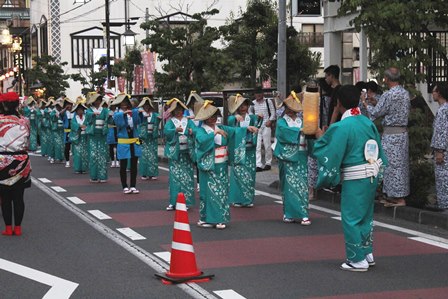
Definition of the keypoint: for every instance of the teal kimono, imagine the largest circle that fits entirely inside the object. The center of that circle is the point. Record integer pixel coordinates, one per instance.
(242, 170)
(98, 150)
(213, 153)
(45, 140)
(32, 114)
(340, 147)
(149, 134)
(78, 138)
(291, 152)
(58, 135)
(179, 149)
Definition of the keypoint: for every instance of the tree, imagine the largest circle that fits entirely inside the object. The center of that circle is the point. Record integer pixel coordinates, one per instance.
(252, 46)
(400, 33)
(126, 66)
(50, 74)
(192, 63)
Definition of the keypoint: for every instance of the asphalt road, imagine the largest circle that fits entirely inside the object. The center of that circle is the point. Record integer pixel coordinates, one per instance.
(70, 253)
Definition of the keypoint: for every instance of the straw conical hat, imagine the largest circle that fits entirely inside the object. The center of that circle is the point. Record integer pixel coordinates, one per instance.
(91, 97)
(146, 100)
(194, 97)
(42, 103)
(120, 98)
(173, 104)
(80, 102)
(207, 110)
(30, 100)
(59, 102)
(293, 102)
(67, 100)
(235, 102)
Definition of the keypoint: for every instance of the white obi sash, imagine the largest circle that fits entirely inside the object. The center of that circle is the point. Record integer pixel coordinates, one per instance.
(221, 154)
(99, 123)
(183, 139)
(367, 170)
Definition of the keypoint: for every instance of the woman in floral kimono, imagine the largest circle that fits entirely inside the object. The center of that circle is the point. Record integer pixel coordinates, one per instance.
(350, 150)
(96, 122)
(179, 150)
(215, 146)
(78, 137)
(242, 172)
(43, 131)
(149, 134)
(291, 152)
(15, 166)
(48, 128)
(31, 112)
(57, 129)
(439, 144)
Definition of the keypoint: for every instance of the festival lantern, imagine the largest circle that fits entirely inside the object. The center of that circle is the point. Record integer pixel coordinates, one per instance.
(310, 105)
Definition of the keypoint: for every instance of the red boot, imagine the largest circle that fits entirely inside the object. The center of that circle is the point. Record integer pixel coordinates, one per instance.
(7, 231)
(18, 230)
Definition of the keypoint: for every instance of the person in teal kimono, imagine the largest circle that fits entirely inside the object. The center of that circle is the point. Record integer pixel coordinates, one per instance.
(67, 117)
(215, 146)
(47, 125)
(112, 137)
(149, 134)
(127, 121)
(78, 138)
(350, 150)
(291, 151)
(96, 122)
(179, 149)
(43, 132)
(31, 112)
(242, 170)
(57, 129)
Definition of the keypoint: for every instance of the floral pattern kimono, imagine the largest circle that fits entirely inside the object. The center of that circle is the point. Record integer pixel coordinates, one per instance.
(45, 132)
(78, 138)
(179, 149)
(97, 130)
(440, 142)
(242, 171)
(291, 152)
(58, 135)
(149, 134)
(32, 114)
(341, 148)
(213, 153)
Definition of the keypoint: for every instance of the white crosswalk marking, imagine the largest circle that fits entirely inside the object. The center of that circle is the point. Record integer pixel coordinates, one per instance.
(228, 294)
(100, 215)
(131, 234)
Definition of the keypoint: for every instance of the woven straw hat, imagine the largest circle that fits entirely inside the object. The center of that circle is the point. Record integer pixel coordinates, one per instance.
(42, 103)
(146, 100)
(120, 98)
(173, 104)
(207, 110)
(80, 102)
(67, 100)
(50, 102)
(293, 102)
(194, 97)
(30, 100)
(91, 97)
(235, 102)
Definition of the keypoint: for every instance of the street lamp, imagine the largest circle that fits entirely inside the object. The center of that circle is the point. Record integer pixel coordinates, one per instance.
(129, 37)
(5, 37)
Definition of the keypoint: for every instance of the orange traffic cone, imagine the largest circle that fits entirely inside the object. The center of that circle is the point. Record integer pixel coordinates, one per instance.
(183, 266)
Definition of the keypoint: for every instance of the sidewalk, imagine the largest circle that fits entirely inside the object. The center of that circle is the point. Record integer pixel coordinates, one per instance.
(420, 216)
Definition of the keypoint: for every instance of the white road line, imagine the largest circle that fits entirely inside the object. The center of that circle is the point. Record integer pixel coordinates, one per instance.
(131, 234)
(228, 294)
(76, 200)
(98, 214)
(430, 242)
(278, 201)
(160, 266)
(44, 180)
(164, 255)
(336, 218)
(58, 189)
(60, 288)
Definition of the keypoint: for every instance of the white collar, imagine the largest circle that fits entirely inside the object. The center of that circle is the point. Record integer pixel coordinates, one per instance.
(351, 112)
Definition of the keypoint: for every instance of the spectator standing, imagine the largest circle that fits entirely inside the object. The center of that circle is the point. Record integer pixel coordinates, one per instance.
(332, 79)
(265, 109)
(16, 168)
(394, 107)
(439, 144)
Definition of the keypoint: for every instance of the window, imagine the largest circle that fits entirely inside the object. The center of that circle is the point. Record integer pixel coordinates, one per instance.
(83, 42)
(312, 35)
(43, 36)
(307, 7)
(34, 42)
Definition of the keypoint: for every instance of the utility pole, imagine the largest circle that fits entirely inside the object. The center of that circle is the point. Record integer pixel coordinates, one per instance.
(281, 50)
(108, 44)
(147, 30)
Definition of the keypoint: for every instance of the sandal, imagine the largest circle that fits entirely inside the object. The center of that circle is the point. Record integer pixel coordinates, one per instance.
(394, 204)
(204, 224)
(305, 222)
(220, 226)
(347, 266)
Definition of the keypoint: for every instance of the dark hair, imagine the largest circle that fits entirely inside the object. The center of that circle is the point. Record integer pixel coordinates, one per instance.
(348, 96)
(297, 88)
(324, 86)
(442, 89)
(333, 70)
(371, 85)
(10, 108)
(361, 85)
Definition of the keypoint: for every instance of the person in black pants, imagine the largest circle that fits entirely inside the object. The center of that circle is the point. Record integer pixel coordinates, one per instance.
(127, 121)
(15, 170)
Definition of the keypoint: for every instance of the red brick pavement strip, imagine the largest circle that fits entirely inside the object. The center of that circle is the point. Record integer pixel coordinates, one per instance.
(234, 253)
(162, 218)
(433, 293)
(103, 197)
(84, 181)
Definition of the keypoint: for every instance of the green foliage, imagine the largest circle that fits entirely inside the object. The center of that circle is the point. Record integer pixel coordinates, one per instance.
(400, 32)
(192, 62)
(125, 67)
(421, 169)
(50, 74)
